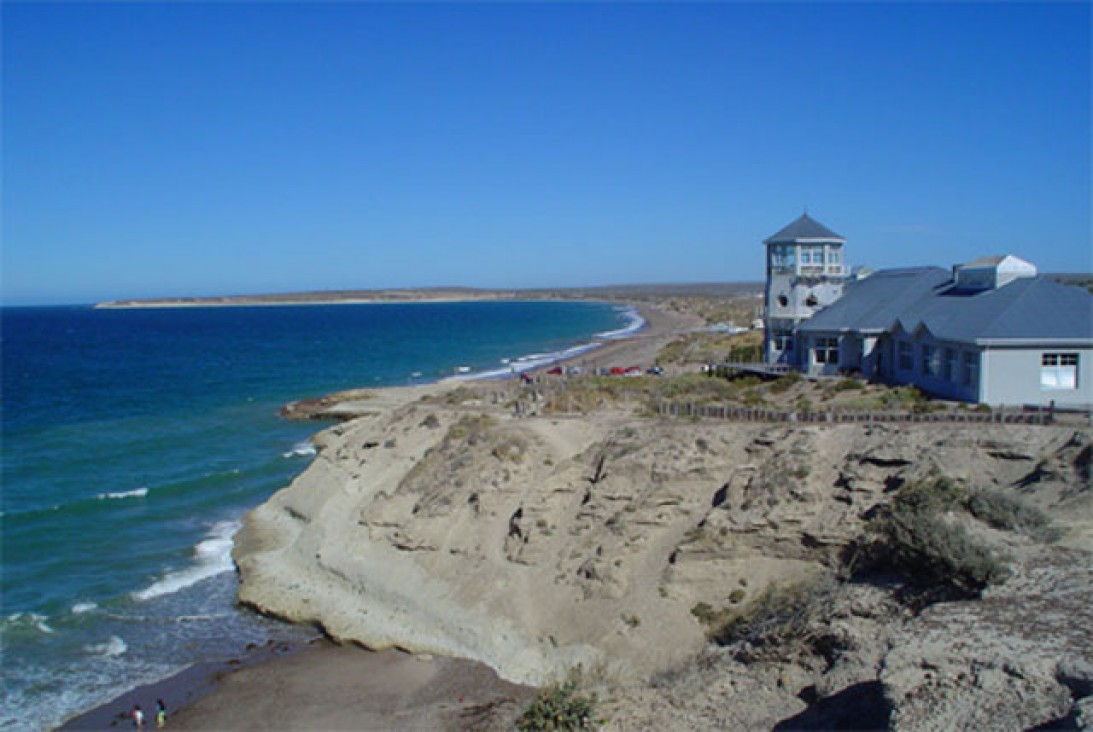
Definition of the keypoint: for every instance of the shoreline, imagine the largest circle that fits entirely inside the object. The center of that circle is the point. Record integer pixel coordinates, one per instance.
(198, 697)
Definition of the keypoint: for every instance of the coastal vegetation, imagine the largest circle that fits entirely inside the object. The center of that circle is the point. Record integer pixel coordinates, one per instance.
(561, 707)
(917, 534)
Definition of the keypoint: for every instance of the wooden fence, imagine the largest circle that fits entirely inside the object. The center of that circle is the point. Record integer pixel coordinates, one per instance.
(531, 399)
(999, 415)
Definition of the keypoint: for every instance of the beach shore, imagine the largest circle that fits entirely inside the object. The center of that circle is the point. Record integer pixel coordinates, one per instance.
(325, 686)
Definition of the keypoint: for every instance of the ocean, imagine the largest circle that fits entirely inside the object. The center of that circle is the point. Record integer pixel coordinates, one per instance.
(134, 440)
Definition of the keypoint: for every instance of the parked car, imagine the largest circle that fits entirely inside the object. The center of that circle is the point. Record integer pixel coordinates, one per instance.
(556, 371)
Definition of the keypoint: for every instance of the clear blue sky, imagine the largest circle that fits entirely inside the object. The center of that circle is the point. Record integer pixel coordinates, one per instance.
(207, 148)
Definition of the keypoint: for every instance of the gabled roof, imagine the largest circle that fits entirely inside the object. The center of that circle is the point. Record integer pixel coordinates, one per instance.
(804, 228)
(1029, 309)
(874, 303)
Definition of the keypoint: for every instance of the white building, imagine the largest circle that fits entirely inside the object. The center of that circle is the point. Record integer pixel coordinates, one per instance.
(990, 331)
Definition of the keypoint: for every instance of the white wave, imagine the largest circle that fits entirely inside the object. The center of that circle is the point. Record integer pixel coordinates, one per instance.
(136, 493)
(634, 324)
(83, 607)
(28, 620)
(527, 363)
(212, 556)
(113, 647)
(300, 449)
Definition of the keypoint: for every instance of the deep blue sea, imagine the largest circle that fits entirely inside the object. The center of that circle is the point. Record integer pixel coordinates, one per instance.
(133, 441)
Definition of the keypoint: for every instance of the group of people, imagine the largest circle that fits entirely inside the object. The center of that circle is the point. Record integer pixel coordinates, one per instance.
(138, 715)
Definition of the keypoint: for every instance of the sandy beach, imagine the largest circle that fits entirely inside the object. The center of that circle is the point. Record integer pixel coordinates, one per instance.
(324, 686)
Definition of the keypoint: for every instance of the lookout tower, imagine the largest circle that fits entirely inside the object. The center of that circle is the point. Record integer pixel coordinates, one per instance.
(805, 272)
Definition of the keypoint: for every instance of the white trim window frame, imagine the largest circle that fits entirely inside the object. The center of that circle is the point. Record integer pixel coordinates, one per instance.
(1058, 371)
(930, 361)
(826, 351)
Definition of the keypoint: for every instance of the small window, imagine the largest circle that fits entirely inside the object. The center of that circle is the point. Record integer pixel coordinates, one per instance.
(783, 300)
(906, 356)
(969, 374)
(1059, 371)
(930, 365)
(826, 350)
(811, 301)
(950, 367)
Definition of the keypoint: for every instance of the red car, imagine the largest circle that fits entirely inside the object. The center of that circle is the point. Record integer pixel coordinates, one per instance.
(556, 371)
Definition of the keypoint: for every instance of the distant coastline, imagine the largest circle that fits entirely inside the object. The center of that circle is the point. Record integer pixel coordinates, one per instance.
(440, 295)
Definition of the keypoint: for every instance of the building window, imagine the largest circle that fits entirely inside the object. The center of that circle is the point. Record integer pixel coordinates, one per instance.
(930, 365)
(826, 351)
(783, 256)
(906, 357)
(782, 341)
(1059, 371)
(970, 372)
(949, 366)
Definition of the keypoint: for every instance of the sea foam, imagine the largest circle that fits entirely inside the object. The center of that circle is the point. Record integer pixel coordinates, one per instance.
(301, 449)
(113, 647)
(136, 493)
(212, 556)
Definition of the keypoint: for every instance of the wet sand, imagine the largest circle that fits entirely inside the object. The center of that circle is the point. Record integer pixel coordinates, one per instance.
(322, 686)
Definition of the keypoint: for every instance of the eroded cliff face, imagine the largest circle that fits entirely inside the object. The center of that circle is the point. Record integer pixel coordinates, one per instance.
(535, 544)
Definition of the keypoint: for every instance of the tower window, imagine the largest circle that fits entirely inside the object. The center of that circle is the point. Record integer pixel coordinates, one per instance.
(783, 300)
(811, 301)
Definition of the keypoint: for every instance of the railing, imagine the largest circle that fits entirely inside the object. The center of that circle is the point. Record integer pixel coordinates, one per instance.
(997, 415)
(530, 400)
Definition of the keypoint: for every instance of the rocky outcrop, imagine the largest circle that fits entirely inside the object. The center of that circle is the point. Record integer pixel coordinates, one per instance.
(535, 544)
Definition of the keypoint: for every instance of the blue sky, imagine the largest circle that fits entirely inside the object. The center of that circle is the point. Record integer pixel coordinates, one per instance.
(209, 148)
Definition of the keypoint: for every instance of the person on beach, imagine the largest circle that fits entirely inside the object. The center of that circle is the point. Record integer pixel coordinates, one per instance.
(161, 714)
(138, 716)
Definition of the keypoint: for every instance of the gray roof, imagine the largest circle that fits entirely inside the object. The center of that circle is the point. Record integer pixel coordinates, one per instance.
(1033, 308)
(805, 227)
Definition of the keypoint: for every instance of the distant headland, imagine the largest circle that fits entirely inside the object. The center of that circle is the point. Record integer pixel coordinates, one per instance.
(443, 294)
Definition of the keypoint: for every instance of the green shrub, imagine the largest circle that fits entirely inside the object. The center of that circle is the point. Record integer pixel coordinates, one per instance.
(848, 385)
(559, 707)
(786, 382)
(777, 615)
(938, 557)
(1010, 513)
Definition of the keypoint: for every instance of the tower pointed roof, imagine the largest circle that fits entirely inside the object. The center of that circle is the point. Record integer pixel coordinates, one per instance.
(805, 228)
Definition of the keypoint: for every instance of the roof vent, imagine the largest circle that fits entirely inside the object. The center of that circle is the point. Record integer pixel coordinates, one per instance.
(990, 273)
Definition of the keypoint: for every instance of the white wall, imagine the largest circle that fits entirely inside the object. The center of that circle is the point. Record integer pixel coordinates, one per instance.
(1012, 376)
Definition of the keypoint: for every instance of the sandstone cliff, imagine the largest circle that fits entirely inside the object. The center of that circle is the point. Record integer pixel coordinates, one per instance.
(447, 525)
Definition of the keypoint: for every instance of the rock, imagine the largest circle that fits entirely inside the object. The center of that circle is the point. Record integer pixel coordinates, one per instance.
(522, 542)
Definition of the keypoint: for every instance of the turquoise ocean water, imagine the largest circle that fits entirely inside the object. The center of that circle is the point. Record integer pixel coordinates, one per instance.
(133, 441)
